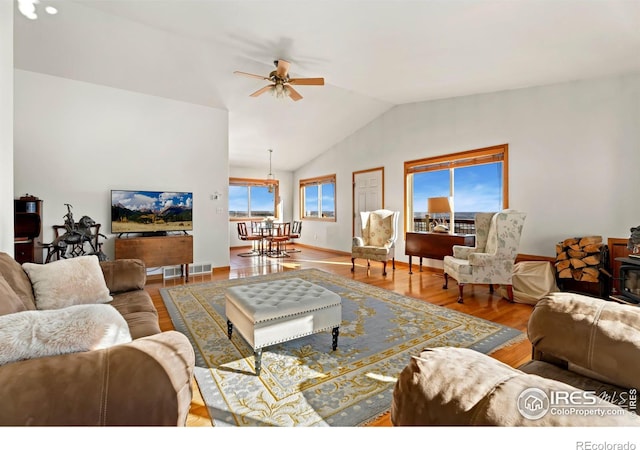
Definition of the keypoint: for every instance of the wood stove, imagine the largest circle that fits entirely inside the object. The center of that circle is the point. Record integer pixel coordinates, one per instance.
(629, 274)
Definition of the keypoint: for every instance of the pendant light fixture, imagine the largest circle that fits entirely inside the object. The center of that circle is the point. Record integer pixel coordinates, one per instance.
(270, 177)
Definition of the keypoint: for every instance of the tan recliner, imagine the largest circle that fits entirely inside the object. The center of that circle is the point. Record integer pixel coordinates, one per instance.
(584, 348)
(379, 234)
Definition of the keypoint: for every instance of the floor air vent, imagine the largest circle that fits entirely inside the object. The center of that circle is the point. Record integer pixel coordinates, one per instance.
(199, 268)
(194, 269)
(171, 272)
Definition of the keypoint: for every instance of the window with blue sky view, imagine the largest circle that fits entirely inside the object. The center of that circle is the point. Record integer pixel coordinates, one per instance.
(251, 199)
(318, 198)
(475, 189)
(474, 180)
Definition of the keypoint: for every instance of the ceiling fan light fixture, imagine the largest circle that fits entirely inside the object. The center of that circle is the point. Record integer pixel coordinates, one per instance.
(282, 84)
(279, 91)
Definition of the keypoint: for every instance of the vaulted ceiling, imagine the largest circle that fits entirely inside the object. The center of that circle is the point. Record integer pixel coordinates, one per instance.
(373, 55)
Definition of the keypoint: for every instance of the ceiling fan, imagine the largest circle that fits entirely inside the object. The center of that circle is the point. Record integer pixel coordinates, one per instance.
(282, 84)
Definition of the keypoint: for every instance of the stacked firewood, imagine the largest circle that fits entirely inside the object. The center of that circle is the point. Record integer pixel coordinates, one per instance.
(579, 258)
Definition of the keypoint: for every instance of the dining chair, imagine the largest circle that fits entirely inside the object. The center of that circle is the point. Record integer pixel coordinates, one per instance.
(296, 232)
(244, 235)
(280, 239)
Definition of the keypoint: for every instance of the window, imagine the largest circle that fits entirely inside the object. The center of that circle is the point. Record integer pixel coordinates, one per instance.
(475, 181)
(318, 198)
(249, 198)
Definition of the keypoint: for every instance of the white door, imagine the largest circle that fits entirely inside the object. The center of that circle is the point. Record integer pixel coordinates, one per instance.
(368, 194)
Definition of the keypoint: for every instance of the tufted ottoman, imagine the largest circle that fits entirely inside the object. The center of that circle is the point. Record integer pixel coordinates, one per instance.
(278, 311)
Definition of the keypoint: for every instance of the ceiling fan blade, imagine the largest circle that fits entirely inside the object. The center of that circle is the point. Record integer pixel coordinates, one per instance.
(293, 94)
(282, 69)
(260, 77)
(307, 81)
(261, 91)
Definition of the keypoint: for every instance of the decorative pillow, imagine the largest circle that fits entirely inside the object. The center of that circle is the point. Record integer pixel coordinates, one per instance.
(67, 282)
(79, 328)
(9, 300)
(380, 229)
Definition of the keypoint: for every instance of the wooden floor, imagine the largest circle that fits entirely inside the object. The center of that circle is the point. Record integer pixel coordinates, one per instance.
(426, 285)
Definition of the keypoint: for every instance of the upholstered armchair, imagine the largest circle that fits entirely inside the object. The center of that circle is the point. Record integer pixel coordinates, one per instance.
(378, 240)
(491, 261)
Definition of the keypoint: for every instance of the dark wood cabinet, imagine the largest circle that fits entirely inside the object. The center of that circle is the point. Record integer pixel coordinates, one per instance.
(27, 229)
(158, 251)
(434, 245)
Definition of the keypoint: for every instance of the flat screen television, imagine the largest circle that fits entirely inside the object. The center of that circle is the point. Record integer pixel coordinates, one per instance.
(151, 212)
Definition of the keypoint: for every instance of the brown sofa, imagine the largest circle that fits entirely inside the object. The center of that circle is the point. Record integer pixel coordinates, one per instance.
(144, 382)
(585, 351)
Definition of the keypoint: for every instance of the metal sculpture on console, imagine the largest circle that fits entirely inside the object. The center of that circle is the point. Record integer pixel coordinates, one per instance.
(634, 240)
(76, 234)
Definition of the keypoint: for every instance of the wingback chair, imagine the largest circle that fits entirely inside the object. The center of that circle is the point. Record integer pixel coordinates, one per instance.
(379, 234)
(491, 261)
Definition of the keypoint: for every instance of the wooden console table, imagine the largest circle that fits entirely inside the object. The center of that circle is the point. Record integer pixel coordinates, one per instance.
(434, 245)
(158, 251)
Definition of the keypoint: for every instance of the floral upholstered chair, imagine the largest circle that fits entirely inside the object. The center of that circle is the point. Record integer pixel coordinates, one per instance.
(379, 234)
(492, 260)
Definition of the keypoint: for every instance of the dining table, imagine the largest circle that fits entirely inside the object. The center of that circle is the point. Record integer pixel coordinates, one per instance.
(268, 230)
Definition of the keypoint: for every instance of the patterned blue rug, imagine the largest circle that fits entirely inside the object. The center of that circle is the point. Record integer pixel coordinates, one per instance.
(303, 382)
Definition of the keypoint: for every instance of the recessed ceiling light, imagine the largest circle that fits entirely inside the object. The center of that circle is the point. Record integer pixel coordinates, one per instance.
(28, 8)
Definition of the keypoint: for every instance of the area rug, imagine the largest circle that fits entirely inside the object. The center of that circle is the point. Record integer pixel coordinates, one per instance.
(303, 382)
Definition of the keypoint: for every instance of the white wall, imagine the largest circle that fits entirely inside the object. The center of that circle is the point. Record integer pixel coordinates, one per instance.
(76, 141)
(6, 127)
(285, 207)
(574, 157)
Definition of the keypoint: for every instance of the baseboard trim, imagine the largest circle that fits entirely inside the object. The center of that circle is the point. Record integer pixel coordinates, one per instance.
(521, 256)
(338, 252)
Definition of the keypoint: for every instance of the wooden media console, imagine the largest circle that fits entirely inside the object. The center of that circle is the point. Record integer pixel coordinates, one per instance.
(158, 251)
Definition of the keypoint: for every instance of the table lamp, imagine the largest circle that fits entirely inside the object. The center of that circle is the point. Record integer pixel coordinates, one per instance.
(439, 205)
